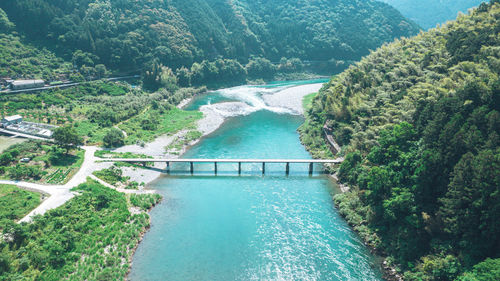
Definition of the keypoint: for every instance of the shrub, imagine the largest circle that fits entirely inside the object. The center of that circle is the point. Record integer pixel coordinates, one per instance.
(6, 158)
(114, 138)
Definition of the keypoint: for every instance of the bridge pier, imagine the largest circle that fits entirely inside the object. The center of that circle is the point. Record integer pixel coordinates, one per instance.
(145, 162)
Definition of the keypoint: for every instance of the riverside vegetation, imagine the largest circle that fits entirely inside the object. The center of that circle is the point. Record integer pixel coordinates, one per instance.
(419, 122)
(91, 237)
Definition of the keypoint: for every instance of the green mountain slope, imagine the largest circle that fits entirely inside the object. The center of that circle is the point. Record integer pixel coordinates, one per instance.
(126, 35)
(419, 122)
(429, 13)
(18, 59)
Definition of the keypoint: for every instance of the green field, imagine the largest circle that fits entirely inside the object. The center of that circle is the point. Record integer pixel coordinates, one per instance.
(307, 101)
(15, 203)
(5, 142)
(167, 123)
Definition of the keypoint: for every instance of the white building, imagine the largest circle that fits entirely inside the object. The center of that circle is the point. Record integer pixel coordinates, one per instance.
(26, 84)
(11, 120)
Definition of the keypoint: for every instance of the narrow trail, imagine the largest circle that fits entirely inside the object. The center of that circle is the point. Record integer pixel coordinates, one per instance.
(60, 194)
(122, 190)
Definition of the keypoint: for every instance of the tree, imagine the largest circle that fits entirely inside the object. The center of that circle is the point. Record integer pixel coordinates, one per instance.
(168, 80)
(19, 172)
(6, 158)
(5, 24)
(149, 124)
(488, 270)
(100, 70)
(260, 67)
(67, 138)
(82, 58)
(184, 77)
(114, 138)
(471, 206)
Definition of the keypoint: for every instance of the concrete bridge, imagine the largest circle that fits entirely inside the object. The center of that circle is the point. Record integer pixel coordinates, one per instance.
(311, 162)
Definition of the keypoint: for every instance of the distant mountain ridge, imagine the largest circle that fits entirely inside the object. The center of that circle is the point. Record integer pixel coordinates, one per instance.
(429, 13)
(127, 35)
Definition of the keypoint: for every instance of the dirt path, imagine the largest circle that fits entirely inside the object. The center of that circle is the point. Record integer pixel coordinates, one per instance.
(122, 190)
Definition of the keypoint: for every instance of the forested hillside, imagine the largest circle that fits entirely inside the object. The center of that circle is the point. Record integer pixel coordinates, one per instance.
(419, 122)
(19, 59)
(129, 35)
(429, 13)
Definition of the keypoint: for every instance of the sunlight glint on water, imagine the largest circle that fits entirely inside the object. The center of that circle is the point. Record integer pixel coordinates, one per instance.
(251, 227)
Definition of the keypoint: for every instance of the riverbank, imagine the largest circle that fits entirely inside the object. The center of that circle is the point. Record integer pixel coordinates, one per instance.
(288, 100)
(292, 98)
(172, 146)
(352, 211)
(214, 116)
(205, 219)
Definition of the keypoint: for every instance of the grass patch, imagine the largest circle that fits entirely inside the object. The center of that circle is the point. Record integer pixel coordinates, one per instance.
(144, 201)
(177, 144)
(307, 101)
(6, 142)
(114, 176)
(112, 154)
(167, 123)
(94, 134)
(15, 203)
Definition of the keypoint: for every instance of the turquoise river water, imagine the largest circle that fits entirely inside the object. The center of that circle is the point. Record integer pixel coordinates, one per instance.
(249, 227)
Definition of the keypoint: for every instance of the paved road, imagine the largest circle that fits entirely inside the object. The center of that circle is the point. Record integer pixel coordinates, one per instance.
(62, 86)
(59, 194)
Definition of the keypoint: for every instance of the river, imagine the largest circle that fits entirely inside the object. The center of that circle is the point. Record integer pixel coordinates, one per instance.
(249, 227)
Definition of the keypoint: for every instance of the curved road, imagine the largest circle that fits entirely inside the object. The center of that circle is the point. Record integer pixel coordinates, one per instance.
(59, 194)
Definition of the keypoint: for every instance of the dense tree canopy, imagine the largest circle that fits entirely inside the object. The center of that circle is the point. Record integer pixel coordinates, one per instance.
(419, 121)
(113, 138)
(67, 137)
(128, 35)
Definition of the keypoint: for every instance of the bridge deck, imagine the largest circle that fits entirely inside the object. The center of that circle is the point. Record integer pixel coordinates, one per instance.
(320, 161)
